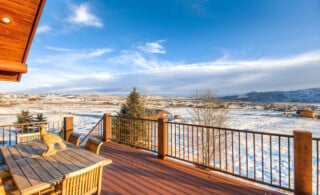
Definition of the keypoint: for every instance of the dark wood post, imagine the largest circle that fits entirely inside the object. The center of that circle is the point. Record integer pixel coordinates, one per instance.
(302, 162)
(107, 127)
(67, 127)
(162, 139)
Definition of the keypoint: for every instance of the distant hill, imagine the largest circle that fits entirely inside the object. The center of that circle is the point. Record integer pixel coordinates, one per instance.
(305, 95)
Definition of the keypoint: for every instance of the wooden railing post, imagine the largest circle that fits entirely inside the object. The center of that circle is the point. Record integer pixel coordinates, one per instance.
(107, 127)
(162, 138)
(302, 162)
(67, 127)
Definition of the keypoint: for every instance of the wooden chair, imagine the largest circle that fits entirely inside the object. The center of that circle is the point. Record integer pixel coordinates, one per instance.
(28, 137)
(7, 188)
(85, 181)
(10, 189)
(93, 145)
(75, 139)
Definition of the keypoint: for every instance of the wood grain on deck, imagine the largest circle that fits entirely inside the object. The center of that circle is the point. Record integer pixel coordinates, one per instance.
(138, 172)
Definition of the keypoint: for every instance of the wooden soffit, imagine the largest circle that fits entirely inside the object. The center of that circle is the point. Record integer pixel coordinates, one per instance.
(18, 24)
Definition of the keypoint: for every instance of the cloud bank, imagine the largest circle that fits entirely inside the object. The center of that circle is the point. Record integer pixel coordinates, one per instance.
(104, 70)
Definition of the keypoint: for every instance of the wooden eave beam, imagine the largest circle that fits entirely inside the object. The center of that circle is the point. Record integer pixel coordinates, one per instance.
(11, 71)
(11, 66)
(33, 30)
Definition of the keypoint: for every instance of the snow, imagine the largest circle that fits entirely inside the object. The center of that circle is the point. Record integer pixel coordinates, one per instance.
(262, 120)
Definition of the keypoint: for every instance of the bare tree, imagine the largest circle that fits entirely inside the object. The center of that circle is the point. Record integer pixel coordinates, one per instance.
(209, 110)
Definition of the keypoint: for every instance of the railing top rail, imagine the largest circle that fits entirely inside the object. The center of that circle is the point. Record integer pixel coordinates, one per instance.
(131, 118)
(31, 123)
(81, 141)
(234, 130)
(316, 138)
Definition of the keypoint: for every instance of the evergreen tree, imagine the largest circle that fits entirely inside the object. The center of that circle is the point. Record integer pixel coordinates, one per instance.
(24, 117)
(133, 132)
(40, 118)
(134, 106)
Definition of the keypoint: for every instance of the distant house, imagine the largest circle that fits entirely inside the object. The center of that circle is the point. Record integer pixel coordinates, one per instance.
(157, 113)
(307, 113)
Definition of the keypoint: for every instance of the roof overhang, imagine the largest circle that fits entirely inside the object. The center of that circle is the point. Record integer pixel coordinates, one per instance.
(18, 23)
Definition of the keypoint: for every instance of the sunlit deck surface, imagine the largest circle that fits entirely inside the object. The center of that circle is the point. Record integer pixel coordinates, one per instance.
(138, 172)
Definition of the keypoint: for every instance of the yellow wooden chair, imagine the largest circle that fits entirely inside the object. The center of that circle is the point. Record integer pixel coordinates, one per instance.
(28, 137)
(93, 145)
(85, 181)
(75, 139)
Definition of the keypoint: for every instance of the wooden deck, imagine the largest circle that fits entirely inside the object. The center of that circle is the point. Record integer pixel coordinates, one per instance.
(137, 172)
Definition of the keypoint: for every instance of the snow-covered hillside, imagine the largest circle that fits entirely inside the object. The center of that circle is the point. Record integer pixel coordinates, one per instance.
(306, 95)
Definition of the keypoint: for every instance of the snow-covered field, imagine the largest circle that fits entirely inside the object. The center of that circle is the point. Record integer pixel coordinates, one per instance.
(255, 119)
(258, 119)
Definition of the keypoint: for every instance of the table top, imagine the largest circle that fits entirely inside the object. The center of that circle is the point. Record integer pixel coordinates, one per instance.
(32, 172)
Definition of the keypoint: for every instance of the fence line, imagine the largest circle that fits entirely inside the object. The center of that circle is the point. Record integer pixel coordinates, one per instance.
(266, 158)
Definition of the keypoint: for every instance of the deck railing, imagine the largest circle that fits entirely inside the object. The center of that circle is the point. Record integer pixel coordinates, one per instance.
(141, 133)
(9, 133)
(265, 158)
(96, 132)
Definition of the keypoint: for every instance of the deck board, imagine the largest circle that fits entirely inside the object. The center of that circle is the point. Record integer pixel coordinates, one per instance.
(138, 172)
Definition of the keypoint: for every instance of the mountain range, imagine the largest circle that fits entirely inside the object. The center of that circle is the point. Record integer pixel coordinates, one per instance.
(306, 95)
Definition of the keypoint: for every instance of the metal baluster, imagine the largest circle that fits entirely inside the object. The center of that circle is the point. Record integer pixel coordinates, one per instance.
(279, 144)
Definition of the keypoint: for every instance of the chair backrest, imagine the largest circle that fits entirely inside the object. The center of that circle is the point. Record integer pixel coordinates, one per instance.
(75, 139)
(28, 137)
(2, 189)
(93, 145)
(84, 181)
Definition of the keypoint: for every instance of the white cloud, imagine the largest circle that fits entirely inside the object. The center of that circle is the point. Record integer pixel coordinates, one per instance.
(66, 57)
(101, 76)
(99, 52)
(131, 58)
(81, 15)
(43, 29)
(60, 49)
(152, 47)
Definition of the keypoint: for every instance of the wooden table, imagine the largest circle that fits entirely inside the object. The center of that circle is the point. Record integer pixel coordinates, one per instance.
(32, 173)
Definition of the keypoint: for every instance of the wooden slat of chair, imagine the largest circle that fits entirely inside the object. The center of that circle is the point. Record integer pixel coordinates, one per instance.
(75, 139)
(93, 145)
(28, 137)
(84, 181)
(4, 174)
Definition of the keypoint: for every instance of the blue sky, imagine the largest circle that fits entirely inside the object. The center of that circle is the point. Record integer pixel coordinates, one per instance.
(173, 47)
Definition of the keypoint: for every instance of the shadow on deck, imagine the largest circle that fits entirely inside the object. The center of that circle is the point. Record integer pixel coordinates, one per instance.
(137, 172)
